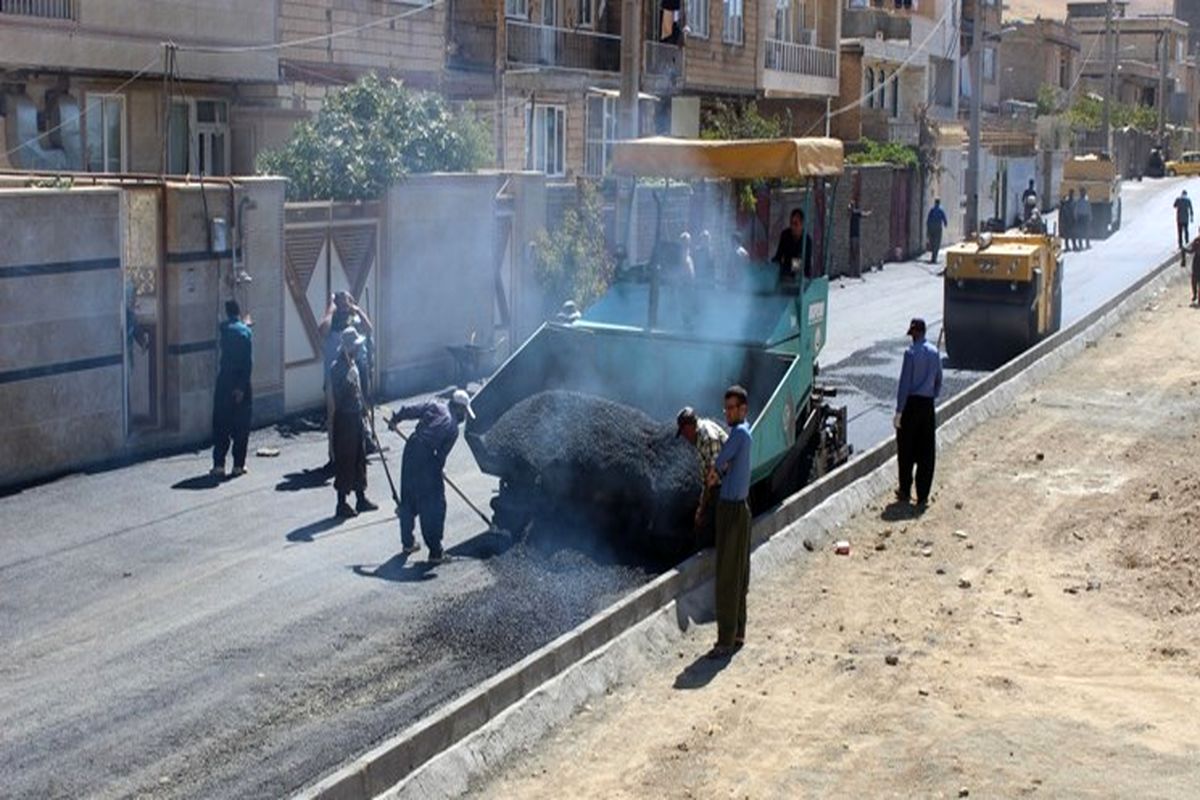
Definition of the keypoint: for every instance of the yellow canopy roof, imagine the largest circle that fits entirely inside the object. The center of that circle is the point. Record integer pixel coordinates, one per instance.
(686, 159)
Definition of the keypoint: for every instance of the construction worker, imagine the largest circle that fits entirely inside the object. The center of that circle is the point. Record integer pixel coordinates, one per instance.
(1184, 215)
(233, 402)
(730, 477)
(1029, 202)
(707, 436)
(915, 422)
(1194, 250)
(1066, 221)
(349, 432)
(856, 217)
(422, 488)
(1083, 221)
(794, 253)
(341, 313)
(935, 224)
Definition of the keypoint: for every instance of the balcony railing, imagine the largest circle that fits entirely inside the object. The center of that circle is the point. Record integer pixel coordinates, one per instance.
(542, 45)
(663, 59)
(800, 59)
(42, 9)
(472, 46)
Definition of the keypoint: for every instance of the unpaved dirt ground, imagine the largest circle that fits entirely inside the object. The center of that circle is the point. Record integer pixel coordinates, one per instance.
(1044, 616)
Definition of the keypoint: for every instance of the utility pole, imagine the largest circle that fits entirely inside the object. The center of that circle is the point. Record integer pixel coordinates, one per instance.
(977, 39)
(1110, 61)
(631, 66)
(1162, 82)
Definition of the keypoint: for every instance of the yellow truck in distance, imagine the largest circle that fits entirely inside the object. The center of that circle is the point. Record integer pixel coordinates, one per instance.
(1098, 175)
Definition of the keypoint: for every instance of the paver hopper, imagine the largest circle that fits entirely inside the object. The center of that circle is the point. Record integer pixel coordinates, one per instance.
(658, 344)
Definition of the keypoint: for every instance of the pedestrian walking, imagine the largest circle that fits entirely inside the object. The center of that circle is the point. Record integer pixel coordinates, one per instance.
(349, 431)
(856, 217)
(233, 402)
(422, 487)
(935, 224)
(730, 477)
(1066, 221)
(1083, 221)
(915, 422)
(1194, 250)
(341, 313)
(1184, 216)
(708, 437)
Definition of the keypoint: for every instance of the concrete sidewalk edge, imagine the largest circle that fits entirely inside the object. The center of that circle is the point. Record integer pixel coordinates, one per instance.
(440, 756)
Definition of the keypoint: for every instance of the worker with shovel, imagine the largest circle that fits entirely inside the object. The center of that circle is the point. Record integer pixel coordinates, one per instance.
(422, 488)
(349, 430)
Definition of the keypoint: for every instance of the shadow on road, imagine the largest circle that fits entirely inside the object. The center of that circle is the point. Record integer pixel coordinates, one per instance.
(199, 482)
(304, 479)
(483, 546)
(701, 672)
(397, 570)
(310, 531)
(897, 511)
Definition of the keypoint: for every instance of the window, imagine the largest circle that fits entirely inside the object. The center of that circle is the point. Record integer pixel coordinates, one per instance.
(105, 131)
(602, 123)
(546, 139)
(585, 16)
(199, 138)
(518, 9)
(783, 20)
(989, 64)
(697, 18)
(895, 95)
(869, 90)
(734, 32)
(1064, 73)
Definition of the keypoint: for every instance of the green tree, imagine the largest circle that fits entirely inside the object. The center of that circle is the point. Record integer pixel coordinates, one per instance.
(873, 152)
(369, 135)
(573, 262)
(739, 121)
(1088, 112)
(1047, 100)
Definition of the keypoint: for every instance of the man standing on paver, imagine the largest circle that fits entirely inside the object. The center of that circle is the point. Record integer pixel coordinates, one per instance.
(232, 399)
(935, 224)
(708, 438)
(916, 425)
(856, 217)
(1184, 215)
(349, 432)
(422, 487)
(1083, 222)
(794, 252)
(731, 472)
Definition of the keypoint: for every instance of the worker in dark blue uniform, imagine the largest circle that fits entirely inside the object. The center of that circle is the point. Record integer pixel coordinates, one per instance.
(349, 430)
(935, 224)
(422, 489)
(916, 425)
(233, 402)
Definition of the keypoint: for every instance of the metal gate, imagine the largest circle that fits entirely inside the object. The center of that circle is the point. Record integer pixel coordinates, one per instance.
(328, 247)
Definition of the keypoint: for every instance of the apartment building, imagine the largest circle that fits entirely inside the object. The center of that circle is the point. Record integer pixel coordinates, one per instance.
(1038, 53)
(899, 63)
(1152, 61)
(82, 88)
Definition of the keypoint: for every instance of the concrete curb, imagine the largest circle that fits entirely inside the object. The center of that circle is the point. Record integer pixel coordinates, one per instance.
(439, 756)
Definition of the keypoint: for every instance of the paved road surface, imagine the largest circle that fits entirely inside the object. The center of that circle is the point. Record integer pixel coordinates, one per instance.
(160, 635)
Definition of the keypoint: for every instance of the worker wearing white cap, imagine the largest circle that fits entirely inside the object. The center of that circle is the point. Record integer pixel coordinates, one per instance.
(349, 432)
(422, 489)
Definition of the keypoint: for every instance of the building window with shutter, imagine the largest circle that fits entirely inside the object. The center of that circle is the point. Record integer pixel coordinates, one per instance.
(105, 130)
(601, 134)
(697, 18)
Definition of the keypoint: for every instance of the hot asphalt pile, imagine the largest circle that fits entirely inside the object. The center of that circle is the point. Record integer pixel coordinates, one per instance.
(600, 467)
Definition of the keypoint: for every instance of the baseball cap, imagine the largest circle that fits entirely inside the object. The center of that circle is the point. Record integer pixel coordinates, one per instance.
(916, 326)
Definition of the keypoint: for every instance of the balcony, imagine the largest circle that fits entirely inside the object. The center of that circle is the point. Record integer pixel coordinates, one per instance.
(472, 47)
(798, 70)
(41, 9)
(871, 23)
(545, 46)
(663, 60)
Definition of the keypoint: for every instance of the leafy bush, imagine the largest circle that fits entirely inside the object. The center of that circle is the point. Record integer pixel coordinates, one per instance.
(1088, 114)
(572, 261)
(369, 135)
(724, 121)
(873, 152)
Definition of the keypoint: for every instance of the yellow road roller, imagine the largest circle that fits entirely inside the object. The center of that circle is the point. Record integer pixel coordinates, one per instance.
(1003, 294)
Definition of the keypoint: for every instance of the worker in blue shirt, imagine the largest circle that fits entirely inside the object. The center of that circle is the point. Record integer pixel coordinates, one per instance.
(422, 487)
(916, 426)
(935, 223)
(732, 471)
(232, 398)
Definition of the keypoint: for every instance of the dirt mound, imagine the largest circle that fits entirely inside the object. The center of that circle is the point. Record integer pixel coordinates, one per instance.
(604, 465)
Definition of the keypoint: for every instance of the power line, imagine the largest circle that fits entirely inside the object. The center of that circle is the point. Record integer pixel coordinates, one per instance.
(260, 48)
(86, 109)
